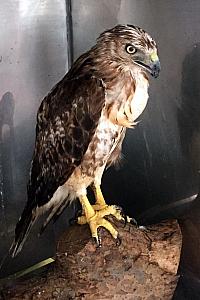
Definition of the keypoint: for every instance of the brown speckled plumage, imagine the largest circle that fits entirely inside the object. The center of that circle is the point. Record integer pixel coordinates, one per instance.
(82, 122)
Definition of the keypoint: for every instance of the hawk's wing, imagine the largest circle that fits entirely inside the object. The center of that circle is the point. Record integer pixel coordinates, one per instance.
(66, 123)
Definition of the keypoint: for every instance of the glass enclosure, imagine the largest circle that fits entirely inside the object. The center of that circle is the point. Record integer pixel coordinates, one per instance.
(158, 178)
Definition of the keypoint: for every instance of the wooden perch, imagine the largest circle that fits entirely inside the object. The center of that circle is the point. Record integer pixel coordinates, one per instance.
(143, 267)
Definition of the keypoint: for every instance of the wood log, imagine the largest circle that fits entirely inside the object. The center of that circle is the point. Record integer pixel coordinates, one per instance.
(143, 267)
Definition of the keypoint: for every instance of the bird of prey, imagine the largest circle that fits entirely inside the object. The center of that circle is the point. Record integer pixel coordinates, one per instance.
(81, 125)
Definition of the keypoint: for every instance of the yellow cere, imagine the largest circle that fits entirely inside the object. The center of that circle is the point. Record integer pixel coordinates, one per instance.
(154, 56)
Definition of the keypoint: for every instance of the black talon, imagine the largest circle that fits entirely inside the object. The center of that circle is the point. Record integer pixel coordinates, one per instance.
(124, 216)
(97, 241)
(134, 222)
(100, 244)
(118, 241)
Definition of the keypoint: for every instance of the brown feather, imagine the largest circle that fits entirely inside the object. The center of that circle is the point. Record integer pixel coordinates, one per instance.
(82, 122)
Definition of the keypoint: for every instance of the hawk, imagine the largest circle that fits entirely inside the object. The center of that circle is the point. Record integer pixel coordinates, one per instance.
(81, 125)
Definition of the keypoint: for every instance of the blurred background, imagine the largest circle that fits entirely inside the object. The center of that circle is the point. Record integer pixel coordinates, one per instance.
(159, 175)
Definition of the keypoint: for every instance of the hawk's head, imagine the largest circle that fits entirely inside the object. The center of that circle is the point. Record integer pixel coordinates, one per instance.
(132, 47)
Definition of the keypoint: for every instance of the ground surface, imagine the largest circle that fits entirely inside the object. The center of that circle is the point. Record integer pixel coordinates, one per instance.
(143, 267)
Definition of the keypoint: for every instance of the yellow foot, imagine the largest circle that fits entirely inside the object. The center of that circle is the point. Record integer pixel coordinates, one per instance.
(98, 220)
(97, 206)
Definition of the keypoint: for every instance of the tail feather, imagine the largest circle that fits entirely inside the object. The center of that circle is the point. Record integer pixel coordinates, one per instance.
(54, 214)
(30, 214)
(22, 230)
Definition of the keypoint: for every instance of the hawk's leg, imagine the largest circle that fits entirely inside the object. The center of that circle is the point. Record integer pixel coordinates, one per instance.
(101, 206)
(96, 219)
(100, 202)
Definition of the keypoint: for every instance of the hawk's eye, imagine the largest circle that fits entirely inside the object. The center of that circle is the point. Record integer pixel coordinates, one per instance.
(130, 49)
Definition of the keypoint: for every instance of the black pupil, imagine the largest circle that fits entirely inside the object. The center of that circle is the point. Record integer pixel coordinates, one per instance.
(131, 49)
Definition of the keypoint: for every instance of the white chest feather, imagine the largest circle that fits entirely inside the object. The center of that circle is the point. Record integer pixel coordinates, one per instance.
(140, 98)
(127, 99)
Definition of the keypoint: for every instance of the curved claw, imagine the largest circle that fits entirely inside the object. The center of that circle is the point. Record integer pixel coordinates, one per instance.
(118, 241)
(125, 219)
(97, 241)
(133, 222)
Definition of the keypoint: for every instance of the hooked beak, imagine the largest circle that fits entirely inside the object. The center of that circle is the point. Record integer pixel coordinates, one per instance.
(155, 69)
(152, 64)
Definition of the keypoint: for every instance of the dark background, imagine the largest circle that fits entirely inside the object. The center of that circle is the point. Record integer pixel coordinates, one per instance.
(158, 177)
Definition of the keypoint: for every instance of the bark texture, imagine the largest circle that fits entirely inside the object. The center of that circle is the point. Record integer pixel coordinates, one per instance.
(143, 267)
